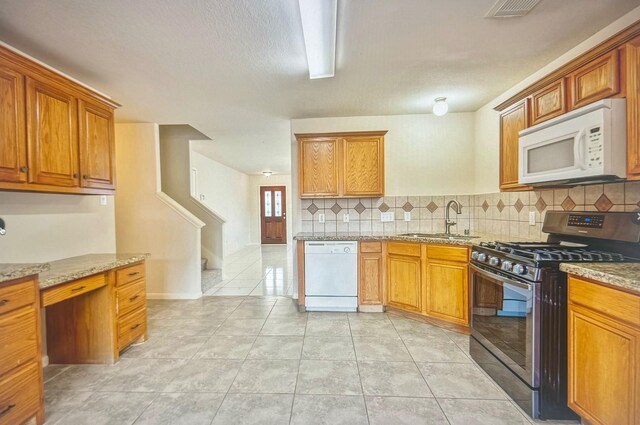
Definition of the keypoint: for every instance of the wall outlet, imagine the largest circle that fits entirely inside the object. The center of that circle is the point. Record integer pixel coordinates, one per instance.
(320, 218)
(407, 216)
(345, 217)
(103, 199)
(387, 216)
(202, 197)
(532, 218)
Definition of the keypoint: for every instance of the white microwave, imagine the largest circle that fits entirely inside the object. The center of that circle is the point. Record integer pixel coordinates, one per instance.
(586, 145)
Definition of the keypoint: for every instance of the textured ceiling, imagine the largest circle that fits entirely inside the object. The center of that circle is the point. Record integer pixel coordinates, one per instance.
(236, 69)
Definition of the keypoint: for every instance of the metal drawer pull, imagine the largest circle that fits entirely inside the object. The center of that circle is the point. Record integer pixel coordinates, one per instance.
(133, 274)
(7, 409)
(3, 302)
(79, 288)
(136, 326)
(134, 298)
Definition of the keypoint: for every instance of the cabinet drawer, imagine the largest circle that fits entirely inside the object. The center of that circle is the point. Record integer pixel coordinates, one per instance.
(448, 253)
(18, 295)
(612, 302)
(72, 289)
(129, 274)
(402, 248)
(20, 395)
(131, 297)
(18, 340)
(370, 246)
(131, 327)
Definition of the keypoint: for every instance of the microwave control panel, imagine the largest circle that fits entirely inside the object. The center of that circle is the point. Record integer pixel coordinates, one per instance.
(595, 147)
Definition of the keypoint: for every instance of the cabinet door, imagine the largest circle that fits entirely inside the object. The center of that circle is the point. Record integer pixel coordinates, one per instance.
(363, 166)
(318, 162)
(548, 102)
(632, 54)
(604, 359)
(404, 282)
(13, 144)
(97, 146)
(447, 291)
(511, 122)
(370, 278)
(596, 80)
(52, 132)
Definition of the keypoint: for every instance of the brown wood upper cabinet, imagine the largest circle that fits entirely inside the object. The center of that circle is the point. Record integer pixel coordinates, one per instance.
(55, 135)
(632, 60)
(512, 121)
(341, 164)
(548, 102)
(596, 80)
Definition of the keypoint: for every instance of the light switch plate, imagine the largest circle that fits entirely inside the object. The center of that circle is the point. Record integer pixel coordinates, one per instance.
(532, 218)
(387, 216)
(407, 216)
(321, 218)
(103, 199)
(345, 217)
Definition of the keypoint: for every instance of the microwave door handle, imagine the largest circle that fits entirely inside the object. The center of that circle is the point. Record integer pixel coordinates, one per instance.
(578, 150)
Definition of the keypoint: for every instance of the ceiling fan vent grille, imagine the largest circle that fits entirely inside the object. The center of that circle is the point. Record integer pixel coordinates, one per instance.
(511, 8)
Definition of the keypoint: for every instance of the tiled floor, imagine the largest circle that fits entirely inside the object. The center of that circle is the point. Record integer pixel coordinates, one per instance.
(227, 360)
(257, 270)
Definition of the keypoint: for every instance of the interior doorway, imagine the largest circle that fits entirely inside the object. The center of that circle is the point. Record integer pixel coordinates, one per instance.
(273, 214)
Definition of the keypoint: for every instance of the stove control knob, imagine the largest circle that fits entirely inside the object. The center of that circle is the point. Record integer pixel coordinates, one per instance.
(507, 266)
(494, 261)
(474, 255)
(482, 257)
(519, 269)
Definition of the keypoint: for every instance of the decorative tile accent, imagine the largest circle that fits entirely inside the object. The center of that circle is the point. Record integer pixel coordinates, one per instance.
(359, 208)
(500, 205)
(541, 205)
(407, 207)
(336, 208)
(312, 208)
(568, 204)
(432, 206)
(603, 203)
(383, 207)
(485, 206)
(518, 205)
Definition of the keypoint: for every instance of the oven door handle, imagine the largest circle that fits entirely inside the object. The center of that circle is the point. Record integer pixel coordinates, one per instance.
(517, 283)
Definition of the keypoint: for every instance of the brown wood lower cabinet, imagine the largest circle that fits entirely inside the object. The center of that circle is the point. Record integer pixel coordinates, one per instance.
(371, 273)
(21, 391)
(447, 291)
(604, 353)
(404, 278)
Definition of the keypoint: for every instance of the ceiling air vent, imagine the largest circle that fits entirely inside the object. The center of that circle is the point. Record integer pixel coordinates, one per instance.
(511, 8)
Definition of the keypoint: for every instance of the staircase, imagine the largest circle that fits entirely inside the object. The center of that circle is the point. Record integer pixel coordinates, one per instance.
(210, 277)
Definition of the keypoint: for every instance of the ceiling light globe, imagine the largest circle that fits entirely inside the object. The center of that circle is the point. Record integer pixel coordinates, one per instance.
(267, 173)
(440, 107)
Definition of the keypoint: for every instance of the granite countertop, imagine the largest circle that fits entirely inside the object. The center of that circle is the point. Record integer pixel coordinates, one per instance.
(623, 275)
(73, 268)
(11, 271)
(483, 237)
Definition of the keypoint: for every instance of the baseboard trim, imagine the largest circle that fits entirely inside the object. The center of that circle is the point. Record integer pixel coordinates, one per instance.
(378, 308)
(174, 295)
(45, 361)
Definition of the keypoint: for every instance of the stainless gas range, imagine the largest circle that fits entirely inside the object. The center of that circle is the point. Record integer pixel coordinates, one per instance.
(519, 303)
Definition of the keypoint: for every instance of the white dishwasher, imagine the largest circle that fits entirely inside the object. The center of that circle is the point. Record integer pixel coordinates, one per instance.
(331, 275)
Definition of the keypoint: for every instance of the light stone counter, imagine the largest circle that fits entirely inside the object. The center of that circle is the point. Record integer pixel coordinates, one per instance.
(623, 275)
(13, 271)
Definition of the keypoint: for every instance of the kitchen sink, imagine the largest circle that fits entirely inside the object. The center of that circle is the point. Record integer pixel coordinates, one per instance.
(438, 235)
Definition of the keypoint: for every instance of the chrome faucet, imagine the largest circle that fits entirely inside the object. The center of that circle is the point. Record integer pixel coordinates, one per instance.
(448, 223)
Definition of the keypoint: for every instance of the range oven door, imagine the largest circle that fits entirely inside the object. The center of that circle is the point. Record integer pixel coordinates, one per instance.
(505, 320)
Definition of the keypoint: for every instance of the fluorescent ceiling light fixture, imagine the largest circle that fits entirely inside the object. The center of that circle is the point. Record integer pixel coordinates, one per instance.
(267, 173)
(440, 107)
(319, 19)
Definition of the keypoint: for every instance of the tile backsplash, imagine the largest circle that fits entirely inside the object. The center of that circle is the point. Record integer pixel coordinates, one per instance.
(505, 213)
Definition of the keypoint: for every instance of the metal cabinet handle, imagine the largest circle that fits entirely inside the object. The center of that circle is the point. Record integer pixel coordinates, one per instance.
(7, 409)
(134, 298)
(3, 302)
(137, 325)
(75, 175)
(78, 288)
(133, 274)
(24, 169)
(84, 176)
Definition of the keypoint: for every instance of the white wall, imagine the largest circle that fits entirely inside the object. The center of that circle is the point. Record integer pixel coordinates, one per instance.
(257, 181)
(147, 221)
(46, 227)
(487, 126)
(226, 192)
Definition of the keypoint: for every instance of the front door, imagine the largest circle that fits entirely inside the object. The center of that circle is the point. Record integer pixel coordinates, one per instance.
(273, 214)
